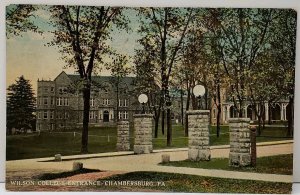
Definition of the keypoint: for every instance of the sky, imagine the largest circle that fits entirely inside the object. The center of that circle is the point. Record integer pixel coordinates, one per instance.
(29, 56)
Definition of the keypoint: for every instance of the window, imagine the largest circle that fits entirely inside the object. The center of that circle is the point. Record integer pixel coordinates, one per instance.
(51, 114)
(123, 103)
(120, 115)
(62, 101)
(106, 102)
(39, 115)
(45, 100)
(92, 102)
(66, 102)
(46, 89)
(45, 114)
(52, 89)
(125, 115)
(52, 126)
(52, 100)
(92, 115)
(62, 90)
(66, 115)
(59, 101)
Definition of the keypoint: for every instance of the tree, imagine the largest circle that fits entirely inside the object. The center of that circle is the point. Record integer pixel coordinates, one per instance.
(244, 35)
(166, 27)
(119, 69)
(19, 19)
(81, 35)
(147, 77)
(284, 55)
(20, 105)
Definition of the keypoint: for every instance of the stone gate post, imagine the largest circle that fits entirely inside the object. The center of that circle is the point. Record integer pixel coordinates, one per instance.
(143, 133)
(198, 125)
(123, 143)
(239, 133)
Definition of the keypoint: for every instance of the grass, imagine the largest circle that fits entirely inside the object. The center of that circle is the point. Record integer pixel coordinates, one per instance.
(104, 140)
(281, 164)
(190, 183)
(51, 176)
(48, 144)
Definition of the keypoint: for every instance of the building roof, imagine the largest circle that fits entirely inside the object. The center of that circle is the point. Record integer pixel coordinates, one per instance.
(102, 80)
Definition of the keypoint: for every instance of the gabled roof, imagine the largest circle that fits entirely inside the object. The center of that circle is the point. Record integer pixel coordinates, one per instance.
(101, 80)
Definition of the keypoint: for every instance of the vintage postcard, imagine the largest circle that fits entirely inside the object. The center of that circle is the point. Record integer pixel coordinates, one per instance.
(150, 99)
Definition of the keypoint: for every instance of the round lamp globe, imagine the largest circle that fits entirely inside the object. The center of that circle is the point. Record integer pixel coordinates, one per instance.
(143, 98)
(199, 90)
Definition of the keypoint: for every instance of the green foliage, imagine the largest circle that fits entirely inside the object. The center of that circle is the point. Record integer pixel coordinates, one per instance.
(19, 19)
(20, 105)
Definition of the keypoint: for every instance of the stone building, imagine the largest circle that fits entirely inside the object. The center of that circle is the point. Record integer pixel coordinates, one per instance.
(275, 112)
(60, 103)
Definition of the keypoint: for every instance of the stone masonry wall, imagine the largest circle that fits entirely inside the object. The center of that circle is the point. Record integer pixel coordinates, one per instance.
(143, 133)
(198, 124)
(123, 143)
(239, 131)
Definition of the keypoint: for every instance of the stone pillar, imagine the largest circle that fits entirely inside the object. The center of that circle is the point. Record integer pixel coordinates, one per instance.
(199, 149)
(142, 133)
(239, 131)
(123, 143)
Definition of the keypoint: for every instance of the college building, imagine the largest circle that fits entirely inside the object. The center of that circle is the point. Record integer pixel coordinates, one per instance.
(60, 102)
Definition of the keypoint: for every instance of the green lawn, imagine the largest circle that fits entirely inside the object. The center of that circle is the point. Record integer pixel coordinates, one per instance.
(104, 140)
(64, 143)
(281, 164)
(190, 183)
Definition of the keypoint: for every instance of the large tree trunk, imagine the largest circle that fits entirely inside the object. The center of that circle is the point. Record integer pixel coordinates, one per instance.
(291, 117)
(219, 110)
(259, 124)
(86, 111)
(118, 80)
(181, 103)
(186, 124)
(163, 116)
(169, 126)
(156, 123)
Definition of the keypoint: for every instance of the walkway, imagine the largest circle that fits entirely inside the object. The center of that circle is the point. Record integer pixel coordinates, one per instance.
(127, 162)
